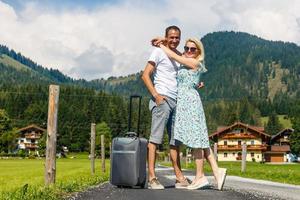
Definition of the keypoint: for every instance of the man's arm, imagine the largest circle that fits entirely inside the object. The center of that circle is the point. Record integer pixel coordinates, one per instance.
(146, 77)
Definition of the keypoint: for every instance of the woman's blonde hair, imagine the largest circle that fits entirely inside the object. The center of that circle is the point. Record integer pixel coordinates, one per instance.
(199, 46)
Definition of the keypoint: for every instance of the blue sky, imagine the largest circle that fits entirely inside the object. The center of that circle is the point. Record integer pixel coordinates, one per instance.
(95, 39)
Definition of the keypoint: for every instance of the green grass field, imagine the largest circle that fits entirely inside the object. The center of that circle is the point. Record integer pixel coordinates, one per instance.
(71, 175)
(283, 173)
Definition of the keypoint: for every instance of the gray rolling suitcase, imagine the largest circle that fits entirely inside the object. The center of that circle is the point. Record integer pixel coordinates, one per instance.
(128, 156)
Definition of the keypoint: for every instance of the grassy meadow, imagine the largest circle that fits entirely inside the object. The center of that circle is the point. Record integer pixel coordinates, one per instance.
(282, 173)
(285, 122)
(24, 178)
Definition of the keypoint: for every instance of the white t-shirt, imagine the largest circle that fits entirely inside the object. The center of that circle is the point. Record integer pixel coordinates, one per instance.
(165, 73)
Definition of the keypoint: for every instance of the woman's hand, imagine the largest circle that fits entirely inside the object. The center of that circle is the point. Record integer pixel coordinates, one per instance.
(157, 41)
(200, 85)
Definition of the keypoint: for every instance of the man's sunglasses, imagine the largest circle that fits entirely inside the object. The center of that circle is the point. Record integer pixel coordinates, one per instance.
(191, 49)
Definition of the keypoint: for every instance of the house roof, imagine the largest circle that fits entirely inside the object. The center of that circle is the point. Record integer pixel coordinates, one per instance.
(289, 130)
(259, 130)
(31, 126)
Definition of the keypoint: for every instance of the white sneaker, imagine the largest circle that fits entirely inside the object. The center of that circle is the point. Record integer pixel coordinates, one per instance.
(222, 175)
(154, 184)
(198, 185)
(183, 184)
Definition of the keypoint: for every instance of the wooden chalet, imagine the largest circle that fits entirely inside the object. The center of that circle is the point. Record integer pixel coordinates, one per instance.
(279, 148)
(29, 136)
(230, 139)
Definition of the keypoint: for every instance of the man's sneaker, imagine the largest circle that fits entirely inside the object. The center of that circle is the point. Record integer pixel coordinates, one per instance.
(183, 183)
(154, 184)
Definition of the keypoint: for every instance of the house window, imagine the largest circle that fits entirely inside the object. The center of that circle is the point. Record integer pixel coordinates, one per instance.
(22, 141)
(239, 142)
(242, 130)
(225, 143)
(252, 142)
(225, 155)
(236, 131)
(257, 156)
(233, 153)
(252, 155)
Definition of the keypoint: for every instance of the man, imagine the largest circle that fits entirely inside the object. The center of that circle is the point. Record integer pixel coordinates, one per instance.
(162, 106)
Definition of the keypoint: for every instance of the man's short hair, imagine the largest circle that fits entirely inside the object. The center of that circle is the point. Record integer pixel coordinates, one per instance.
(172, 28)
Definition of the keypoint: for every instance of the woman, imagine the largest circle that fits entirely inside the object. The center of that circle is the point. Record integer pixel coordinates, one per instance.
(190, 124)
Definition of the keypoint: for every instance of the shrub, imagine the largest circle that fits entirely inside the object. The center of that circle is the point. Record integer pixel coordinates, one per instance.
(21, 153)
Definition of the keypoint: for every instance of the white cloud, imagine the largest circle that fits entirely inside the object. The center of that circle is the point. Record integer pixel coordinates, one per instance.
(113, 40)
(273, 20)
(93, 63)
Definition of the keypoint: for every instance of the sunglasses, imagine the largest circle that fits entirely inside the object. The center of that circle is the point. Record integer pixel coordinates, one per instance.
(191, 49)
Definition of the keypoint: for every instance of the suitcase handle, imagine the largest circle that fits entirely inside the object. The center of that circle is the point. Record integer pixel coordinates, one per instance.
(139, 114)
(131, 134)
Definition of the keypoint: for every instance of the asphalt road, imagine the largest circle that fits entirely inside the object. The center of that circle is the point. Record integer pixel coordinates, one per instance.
(235, 188)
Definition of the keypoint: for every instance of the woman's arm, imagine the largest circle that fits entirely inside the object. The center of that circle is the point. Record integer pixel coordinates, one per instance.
(189, 62)
(156, 41)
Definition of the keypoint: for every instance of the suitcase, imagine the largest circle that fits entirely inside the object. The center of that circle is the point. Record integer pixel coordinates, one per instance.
(128, 156)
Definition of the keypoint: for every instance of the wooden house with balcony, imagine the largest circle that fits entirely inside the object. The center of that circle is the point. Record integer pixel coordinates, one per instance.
(279, 148)
(229, 141)
(29, 136)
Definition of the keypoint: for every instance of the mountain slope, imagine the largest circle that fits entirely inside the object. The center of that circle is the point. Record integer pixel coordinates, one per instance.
(241, 64)
(15, 60)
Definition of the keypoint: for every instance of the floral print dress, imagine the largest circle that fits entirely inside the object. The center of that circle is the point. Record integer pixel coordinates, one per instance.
(190, 123)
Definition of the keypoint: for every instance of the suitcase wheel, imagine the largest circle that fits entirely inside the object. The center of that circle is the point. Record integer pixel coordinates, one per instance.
(144, 184)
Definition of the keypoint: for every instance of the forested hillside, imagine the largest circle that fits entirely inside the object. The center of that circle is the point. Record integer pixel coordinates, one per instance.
(241, 64)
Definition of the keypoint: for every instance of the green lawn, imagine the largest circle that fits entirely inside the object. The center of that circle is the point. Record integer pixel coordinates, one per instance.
(72, 175)
(288, 173)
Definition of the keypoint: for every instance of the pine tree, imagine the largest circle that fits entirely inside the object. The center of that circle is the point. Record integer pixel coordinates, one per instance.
(295, 137)
(273, 125)
(103, 129)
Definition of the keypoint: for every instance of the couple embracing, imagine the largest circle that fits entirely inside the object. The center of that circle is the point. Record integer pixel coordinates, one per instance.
(176, 105)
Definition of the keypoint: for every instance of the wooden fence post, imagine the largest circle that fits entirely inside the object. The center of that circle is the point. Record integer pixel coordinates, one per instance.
(50, 162)
(216, 150)
(244, 157)
(103, 153)
(92, 154)
(110, 150)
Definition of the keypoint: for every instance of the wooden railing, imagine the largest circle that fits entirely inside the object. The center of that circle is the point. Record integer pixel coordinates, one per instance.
(277, 148)
(31, 146)
(239, 147)
(239, 136)
(32, 136)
